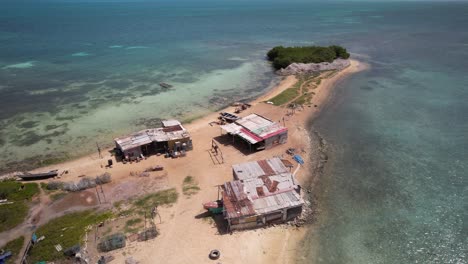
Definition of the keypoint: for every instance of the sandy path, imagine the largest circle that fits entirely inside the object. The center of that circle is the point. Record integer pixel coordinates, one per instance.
(184, 238)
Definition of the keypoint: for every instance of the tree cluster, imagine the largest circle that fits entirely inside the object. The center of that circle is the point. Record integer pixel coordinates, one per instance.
(282, 57)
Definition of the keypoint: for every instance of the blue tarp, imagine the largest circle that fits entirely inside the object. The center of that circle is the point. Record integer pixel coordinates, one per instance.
(4, 257)
(298, 159)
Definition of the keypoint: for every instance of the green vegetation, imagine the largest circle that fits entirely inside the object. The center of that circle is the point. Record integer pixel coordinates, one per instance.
(125, 212)
(57, 196)
(17, 191)
(53, 189)
(66, 231)
(20, 194)
(131, 226)
(287, 95)
(133, 221)
(282, 57)
(14, 246)
(12, 215)
(303, 99)
(301, 92)
(147, 202)
(118, 204)
(190, 186)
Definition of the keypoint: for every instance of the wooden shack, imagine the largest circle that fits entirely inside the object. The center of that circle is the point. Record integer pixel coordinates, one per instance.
(258, 131)
(170, 137)
(262, 192)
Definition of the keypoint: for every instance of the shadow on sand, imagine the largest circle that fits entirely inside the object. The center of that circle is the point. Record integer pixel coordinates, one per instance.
(218, 219)
(227, 140)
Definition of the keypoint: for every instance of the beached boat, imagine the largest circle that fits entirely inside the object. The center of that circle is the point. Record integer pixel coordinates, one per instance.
(228, 117)
(215, 207)
(165, 85)
(38, 176)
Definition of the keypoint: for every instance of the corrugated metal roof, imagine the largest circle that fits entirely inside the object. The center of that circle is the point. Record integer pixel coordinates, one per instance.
(235, 200)
(251, 195)
(168, 123)
(277, 202)
(254, 122)
(254, 128)
(254, 169)
(147, 136)
(232, 128)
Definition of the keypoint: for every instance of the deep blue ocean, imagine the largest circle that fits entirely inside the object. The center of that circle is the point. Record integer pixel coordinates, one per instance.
(395, 187)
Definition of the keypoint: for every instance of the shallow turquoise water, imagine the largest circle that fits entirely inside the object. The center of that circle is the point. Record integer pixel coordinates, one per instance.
(395, 188)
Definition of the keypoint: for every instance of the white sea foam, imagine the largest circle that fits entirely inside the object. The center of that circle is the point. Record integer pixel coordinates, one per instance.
(22, 65)
(115, 46)
(237, 59)
(80, 54)
(137, 47)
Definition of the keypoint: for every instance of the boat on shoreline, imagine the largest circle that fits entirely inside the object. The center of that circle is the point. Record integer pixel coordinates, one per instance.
(165, 85)
(26, 176)
(228, 117)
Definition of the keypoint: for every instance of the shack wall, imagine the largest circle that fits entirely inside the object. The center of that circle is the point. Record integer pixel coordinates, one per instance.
(136, 152)
(247, 222)
(293, 213)
(276, 140)
(171, 143)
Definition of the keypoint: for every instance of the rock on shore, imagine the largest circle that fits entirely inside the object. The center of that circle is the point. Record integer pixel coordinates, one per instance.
(303, 68)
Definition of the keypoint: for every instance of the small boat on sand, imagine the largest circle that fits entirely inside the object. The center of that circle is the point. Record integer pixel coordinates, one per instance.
(228, 117)
(165, 85)
(215, 207)
(26, 176)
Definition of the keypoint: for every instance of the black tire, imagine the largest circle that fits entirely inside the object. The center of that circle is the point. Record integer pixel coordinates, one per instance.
(214, 254)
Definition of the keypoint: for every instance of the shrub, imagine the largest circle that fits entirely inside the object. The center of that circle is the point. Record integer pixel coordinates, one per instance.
(54, 185)
(104, 178)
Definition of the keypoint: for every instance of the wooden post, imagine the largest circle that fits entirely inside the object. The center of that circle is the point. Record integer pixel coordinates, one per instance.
(99, 150)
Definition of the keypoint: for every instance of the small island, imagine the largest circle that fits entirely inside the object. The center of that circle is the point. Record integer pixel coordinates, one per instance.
(282, 57)
(309, 65)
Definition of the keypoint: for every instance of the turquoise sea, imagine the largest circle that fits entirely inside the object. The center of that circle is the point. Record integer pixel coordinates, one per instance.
(395, 187)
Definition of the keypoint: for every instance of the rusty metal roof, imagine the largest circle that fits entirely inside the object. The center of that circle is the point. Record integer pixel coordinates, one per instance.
(146, 136)
(259, 168)
(261, 190)
(235, 200)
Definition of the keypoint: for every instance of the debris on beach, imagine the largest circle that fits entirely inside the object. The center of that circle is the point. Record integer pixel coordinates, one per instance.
(240, 107)
(214, 254)
(308, 68)
(155, 168)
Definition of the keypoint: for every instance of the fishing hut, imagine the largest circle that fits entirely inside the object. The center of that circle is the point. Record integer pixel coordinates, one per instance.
(258, 131)
(171, 138)
(262, 192)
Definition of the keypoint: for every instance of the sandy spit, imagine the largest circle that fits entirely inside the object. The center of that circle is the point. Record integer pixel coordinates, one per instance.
(184, 236)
